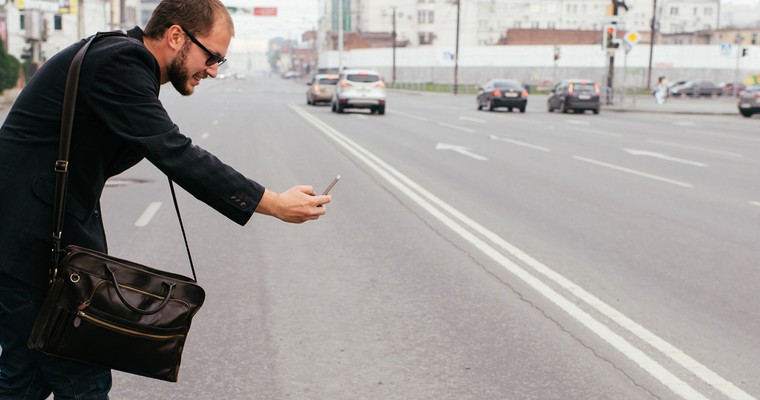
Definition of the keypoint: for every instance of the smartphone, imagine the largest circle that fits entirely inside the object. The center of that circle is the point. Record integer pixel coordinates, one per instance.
(330, 186)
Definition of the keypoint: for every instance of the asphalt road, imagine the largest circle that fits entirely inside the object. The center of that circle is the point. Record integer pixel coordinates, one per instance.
(466, 254)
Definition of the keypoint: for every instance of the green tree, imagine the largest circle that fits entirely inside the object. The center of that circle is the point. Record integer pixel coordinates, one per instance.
(9, 69)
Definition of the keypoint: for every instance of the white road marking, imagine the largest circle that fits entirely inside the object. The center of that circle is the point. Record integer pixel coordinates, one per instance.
(725, 153)
(205, 135)
(470, 119)
(359, 116)
(460, 149)
(684, 123)
(461, 128)
(148, 214)
(664, 157)
(519, 143)
(754, 203)
(594, 131)
(671, 381)
(631, 171)
(407, 115)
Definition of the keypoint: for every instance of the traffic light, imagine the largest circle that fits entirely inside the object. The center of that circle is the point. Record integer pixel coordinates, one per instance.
(610, 37)
(745, 51)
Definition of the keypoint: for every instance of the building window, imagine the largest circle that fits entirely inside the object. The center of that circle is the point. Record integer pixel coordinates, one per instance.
(708, 11)
(695, 11)
(426, 38)
(534, 25)
(431, 18)
(57, 23)
(673, 10)
(551, 25)
(21, 21)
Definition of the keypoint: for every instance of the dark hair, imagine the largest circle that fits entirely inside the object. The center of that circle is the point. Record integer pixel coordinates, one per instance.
(197, 16)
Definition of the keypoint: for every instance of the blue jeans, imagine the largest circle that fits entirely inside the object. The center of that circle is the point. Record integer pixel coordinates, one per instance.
(32, 375)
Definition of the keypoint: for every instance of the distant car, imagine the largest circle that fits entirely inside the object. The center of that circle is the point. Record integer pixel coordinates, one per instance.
(359, 88)
(291, 75)
(696, 88)
(574, 94)
(507, 93)
(321, 89)
(673, 84)
(239, 75)
(727, 89)
(749, 101)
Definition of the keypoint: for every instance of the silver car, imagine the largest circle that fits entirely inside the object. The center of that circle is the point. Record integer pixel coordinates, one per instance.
(359, 88)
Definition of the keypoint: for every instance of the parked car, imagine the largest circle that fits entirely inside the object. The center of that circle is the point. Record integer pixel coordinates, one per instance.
(574, 94)
(359, 88)
(321, 89)
(696, 88)
(507, 93)
(727, 89)
(749, 101)
(673, 84)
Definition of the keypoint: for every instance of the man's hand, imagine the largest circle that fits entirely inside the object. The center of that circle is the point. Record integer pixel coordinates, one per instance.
(298, 204)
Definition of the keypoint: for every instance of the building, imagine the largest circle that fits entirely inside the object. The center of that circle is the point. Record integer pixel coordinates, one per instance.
(487, 22)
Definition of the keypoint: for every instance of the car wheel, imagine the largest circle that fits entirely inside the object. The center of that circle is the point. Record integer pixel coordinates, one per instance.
(563, 108)
(522, 109)
(549, 107)
(489, 105)
(596, 111)
(373, 110)
(333, 107)
(509, 109)
(480, 106)
(746, 114)
(339, 108)
(381, 109)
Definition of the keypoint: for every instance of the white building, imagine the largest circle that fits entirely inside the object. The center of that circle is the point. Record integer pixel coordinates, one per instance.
(484, 22)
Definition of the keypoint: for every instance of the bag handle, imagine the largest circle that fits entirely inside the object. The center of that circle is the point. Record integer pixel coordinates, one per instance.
(169, 290)
(61, 167)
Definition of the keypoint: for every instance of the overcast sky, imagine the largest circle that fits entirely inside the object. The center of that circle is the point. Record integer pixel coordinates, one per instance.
(252, 32)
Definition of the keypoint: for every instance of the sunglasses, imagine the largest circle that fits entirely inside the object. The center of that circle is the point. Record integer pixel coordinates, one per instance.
(212, 58)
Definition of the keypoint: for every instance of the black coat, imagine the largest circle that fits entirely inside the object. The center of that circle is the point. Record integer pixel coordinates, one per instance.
(119, 120)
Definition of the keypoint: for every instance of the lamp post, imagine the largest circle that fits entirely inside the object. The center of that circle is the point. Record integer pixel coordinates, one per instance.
(393, 37)
(456, 53)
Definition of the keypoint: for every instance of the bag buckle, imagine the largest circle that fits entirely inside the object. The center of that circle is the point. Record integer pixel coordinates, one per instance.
(61, 166)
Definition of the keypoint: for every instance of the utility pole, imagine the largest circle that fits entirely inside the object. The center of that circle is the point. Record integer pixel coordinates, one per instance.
(340, 37)
(456, 53)
(393, 36)
(652, 36)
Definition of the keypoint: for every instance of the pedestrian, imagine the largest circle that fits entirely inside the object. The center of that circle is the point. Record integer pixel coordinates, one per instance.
(119, 121)
(661, 90)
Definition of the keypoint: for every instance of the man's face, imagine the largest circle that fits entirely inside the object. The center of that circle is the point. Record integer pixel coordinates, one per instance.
(188, 67)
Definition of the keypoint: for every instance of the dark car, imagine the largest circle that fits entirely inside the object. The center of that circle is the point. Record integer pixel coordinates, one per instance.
(749, 101)
(574, 94)
(696, 88)
(507, 93)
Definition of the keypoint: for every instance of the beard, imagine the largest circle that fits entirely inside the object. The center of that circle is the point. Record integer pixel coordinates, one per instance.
(178, 74)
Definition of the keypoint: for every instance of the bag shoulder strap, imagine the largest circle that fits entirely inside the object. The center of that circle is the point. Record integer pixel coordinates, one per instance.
(61, 167)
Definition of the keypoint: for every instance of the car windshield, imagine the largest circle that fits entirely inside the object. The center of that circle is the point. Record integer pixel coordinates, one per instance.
(752, 89)
(506, 85)
(328, 81)
(363, 78)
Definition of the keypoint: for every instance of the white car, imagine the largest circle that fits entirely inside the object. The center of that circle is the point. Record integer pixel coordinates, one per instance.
(359, 88)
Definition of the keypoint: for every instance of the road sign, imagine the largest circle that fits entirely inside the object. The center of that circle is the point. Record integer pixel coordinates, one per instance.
(632, 37)
(265, 11)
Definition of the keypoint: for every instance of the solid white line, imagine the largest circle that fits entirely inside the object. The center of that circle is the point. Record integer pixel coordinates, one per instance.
(463, 129)
(407, 115)
(668, 379)
(205, 135)
(148, 214)
(754, 203)
(594, 131)
(631, 171)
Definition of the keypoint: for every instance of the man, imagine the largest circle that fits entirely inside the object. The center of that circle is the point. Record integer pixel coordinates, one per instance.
(119, 121)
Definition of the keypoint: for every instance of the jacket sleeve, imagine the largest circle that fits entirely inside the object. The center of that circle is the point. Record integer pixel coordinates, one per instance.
(124, 95)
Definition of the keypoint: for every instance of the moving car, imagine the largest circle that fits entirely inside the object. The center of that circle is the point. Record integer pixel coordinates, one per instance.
(321, 89)
(507, 93)
(696, 88)
(749, 101)
(359, 88)
(732, 89)
(574, 94)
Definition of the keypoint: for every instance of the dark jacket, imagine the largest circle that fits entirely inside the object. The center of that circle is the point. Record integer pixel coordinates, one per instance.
(119, 121)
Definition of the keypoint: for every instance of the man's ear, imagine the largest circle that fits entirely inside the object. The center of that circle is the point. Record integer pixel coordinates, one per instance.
(174, 37)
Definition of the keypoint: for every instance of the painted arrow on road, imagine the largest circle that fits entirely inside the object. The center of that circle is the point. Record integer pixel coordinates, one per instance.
(460, 149)
(664, 157)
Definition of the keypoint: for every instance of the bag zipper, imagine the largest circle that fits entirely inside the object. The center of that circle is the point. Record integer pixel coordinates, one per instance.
(108, 325)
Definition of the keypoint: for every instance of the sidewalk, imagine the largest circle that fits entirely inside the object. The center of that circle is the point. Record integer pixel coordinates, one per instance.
(709, 105)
